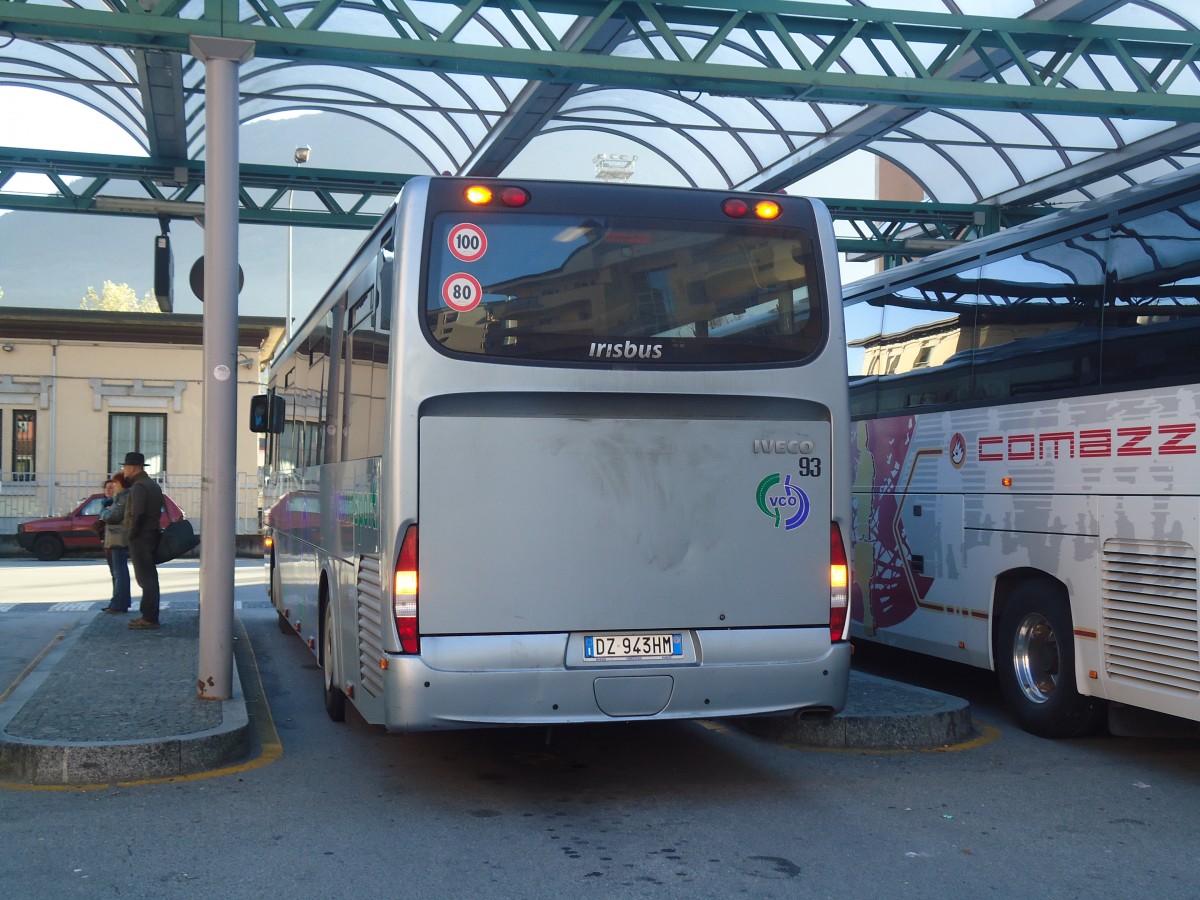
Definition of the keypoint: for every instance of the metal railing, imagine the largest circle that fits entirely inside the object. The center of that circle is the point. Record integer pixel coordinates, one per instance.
(24, 500)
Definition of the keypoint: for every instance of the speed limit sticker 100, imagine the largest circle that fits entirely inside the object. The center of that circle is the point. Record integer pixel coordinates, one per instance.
(467, 242)
(462, 292)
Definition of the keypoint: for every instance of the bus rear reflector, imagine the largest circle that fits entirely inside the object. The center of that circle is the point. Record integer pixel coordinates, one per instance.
(404, 597)
(839, 585)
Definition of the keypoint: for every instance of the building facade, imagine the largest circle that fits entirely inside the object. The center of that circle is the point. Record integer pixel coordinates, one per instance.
(80, 388)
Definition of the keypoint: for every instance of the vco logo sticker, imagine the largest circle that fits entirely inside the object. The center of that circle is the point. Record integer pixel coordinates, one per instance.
(780, 496)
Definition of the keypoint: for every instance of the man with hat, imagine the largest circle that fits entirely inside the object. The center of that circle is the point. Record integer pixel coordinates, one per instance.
(142, 513)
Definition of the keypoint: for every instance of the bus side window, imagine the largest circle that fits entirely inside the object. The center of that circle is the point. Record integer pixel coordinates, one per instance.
(358, 353)
(385, 269)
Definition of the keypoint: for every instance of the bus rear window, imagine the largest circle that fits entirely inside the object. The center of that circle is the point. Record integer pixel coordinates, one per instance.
(615, 290)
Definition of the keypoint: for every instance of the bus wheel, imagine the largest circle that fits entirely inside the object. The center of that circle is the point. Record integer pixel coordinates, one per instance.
(335, 700)
(1035, 660)
(277, 601)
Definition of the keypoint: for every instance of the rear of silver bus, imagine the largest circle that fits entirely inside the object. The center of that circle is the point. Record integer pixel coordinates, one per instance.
(626, 506)
(578, 567)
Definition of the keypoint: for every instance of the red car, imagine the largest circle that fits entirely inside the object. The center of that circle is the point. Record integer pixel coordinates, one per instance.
(48, 539)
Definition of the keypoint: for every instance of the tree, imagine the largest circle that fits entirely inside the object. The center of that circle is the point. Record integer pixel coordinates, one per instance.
(118, 298)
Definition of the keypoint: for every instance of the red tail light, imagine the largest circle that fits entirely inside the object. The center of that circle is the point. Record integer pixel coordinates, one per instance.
(482, 195)
(404, 597)
(737, 208)
(839, 585)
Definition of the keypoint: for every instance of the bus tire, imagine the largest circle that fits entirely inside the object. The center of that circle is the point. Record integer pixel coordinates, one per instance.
(274, 588)
(335, 700)
(276, 591)
(1035, 662)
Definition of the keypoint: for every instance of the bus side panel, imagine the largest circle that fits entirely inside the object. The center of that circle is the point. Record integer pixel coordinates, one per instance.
(351, 532)
(565, 524)
(1094, 503)
(294, 522)
(1148, 651)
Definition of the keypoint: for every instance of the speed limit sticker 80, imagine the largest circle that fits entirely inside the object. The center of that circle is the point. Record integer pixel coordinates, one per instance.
(462, 292)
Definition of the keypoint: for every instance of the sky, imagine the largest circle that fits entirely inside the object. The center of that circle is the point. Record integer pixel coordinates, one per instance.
(120, 249)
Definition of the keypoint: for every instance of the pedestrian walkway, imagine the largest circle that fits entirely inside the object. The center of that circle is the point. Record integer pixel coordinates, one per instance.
(107, 704)
(110, 705)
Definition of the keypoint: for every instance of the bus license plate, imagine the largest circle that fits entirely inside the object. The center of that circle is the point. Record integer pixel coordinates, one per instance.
(632, 646)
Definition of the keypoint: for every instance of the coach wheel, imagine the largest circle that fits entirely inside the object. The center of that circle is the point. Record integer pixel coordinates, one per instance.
(274, 587)
(48, 547)
(277, 601)
(1035, 660)
(335, 700)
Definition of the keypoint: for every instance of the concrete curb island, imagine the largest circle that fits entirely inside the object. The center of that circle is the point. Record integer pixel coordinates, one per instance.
(879, 715)
(109, 705)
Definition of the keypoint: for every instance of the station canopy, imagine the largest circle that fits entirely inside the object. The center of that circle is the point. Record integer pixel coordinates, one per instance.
(1002, 104)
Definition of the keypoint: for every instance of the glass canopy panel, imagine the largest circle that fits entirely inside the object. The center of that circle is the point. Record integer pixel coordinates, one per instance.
(703, 139)
(930, 167)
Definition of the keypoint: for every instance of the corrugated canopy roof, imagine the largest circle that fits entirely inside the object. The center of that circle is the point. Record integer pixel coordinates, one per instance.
(1046, 101)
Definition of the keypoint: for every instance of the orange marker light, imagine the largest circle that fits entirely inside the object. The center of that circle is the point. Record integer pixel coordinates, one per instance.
(1006, 481)
(838, 578)
(767, 209)
(478, 194)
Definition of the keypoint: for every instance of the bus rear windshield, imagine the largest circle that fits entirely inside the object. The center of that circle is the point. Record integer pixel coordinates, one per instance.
(616, 290)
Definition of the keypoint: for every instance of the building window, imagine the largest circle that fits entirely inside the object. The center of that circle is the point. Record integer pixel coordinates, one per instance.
(146, 432)
(24, 445)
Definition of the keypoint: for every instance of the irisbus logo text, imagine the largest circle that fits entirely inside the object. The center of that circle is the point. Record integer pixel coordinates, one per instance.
(1090, 443)
(626, 350)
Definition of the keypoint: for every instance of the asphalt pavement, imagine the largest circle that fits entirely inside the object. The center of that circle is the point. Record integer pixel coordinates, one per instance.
(104, 704)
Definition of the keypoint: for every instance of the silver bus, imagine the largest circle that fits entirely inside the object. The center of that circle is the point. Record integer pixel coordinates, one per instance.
(617, 418)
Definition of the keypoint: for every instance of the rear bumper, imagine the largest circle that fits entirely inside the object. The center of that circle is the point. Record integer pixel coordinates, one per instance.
(471, 682)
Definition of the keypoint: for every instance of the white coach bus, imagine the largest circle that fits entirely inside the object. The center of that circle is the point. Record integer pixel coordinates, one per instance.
(1027, 484)
(617, 417)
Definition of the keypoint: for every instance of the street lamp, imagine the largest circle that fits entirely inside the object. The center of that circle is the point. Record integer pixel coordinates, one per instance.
(301, 157)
